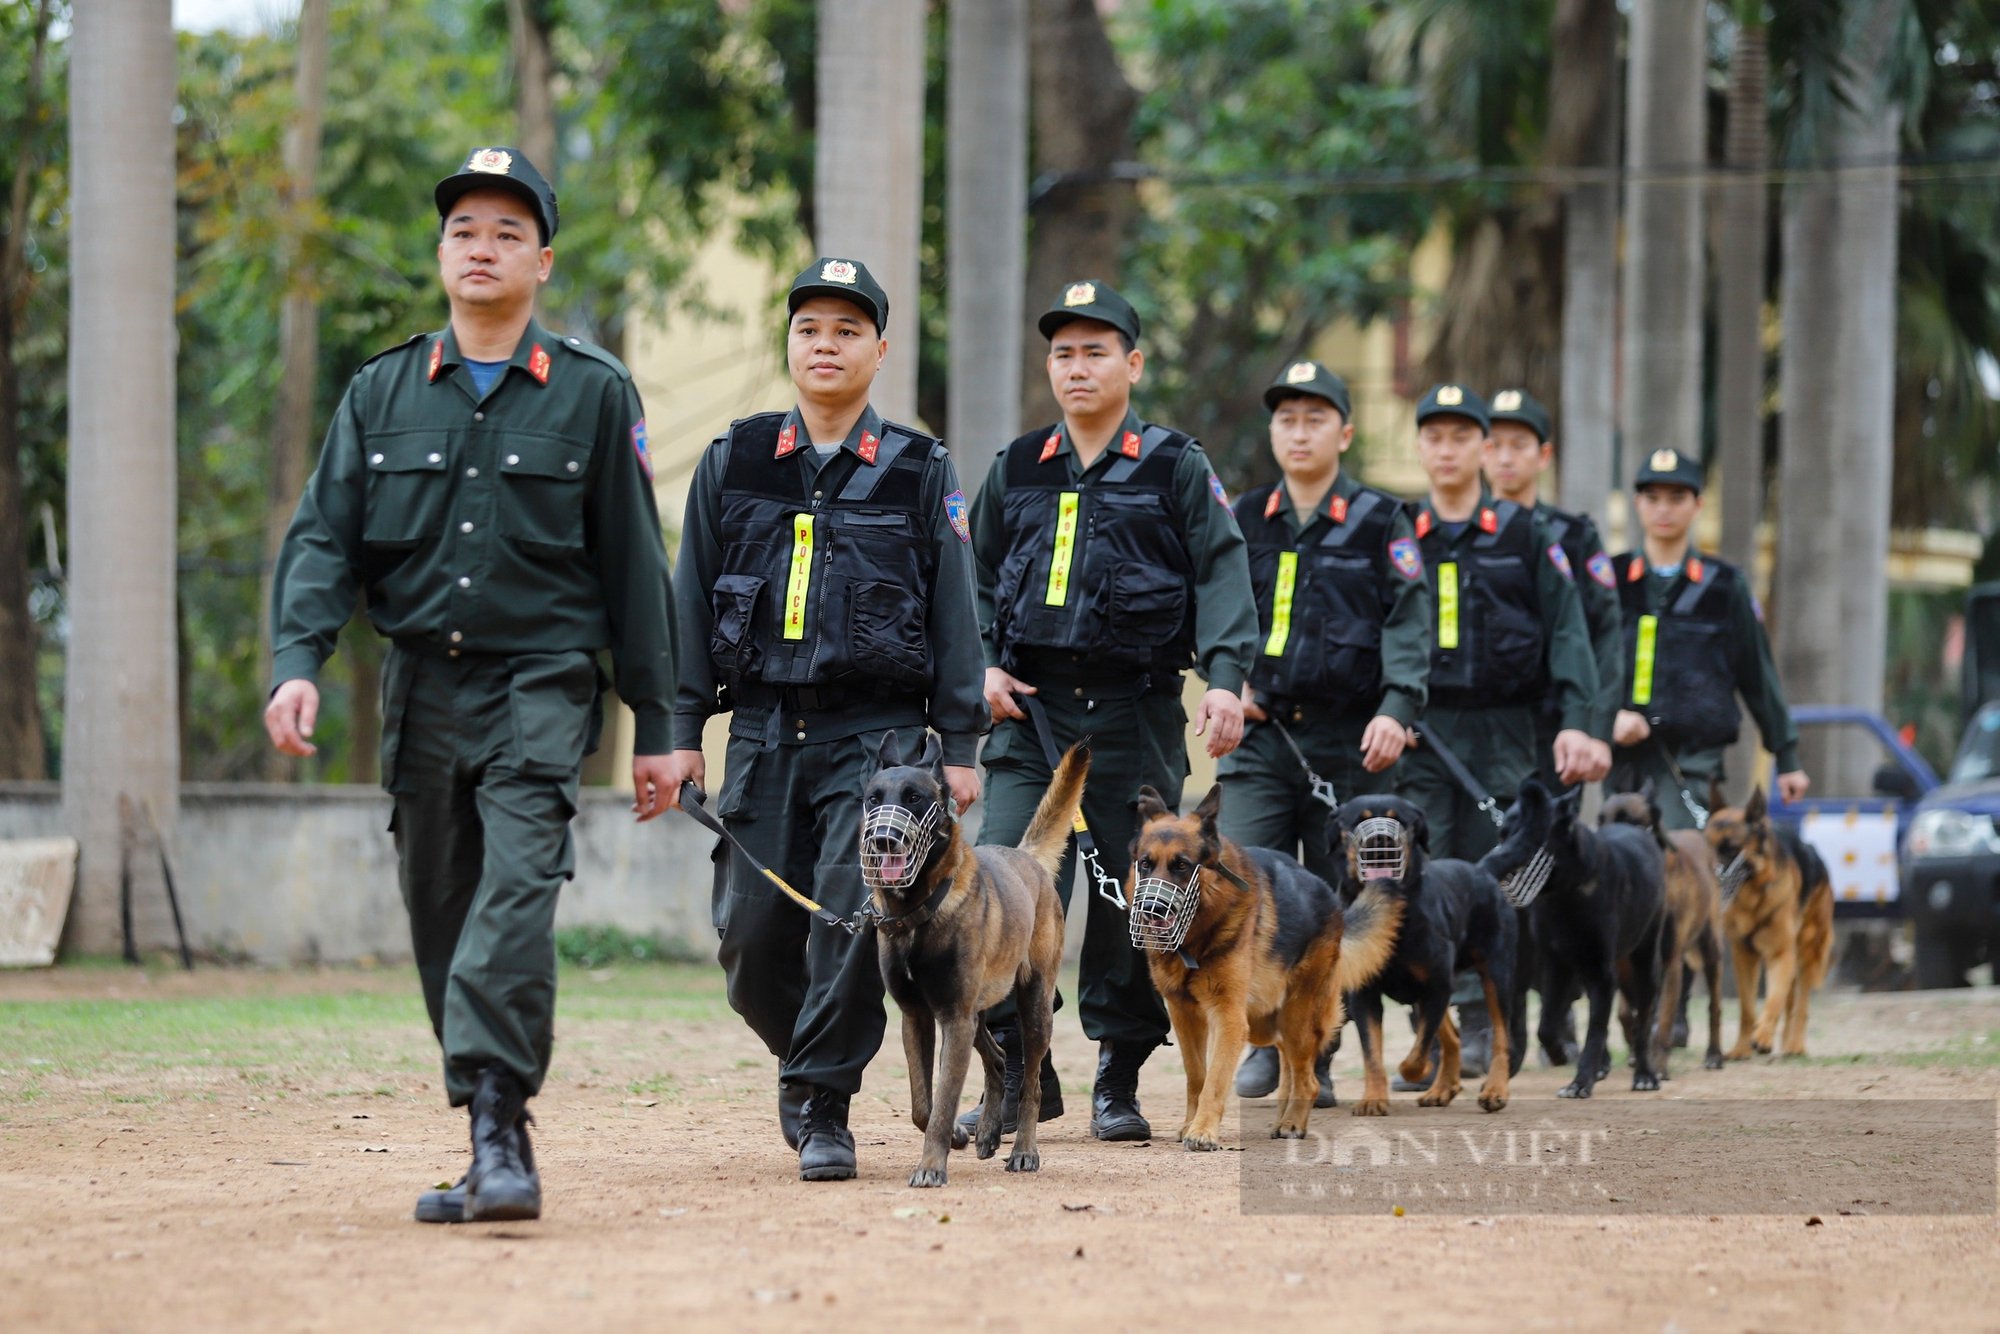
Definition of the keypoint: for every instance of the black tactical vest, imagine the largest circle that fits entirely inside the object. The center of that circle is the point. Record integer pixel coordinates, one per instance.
(1567, 530)
(1488, 646)
(825, 580)
(1102, 572)
(1683, 673)
(1321, 600)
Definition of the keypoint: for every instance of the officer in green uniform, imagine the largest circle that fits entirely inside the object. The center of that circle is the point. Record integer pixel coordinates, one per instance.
(1695, 641)
(1519, 450)
(488, 488)
(1509, 632)
(826, 595)
(1345, 644)
(1108, 562)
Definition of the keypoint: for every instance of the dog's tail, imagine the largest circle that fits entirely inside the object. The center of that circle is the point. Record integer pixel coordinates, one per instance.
(1048, 833)
(1373, 922)
(1526, 830)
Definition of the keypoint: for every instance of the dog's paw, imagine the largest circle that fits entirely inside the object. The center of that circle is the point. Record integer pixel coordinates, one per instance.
(1795, 1053)
(1019, 1161)
(988, 1145)
(1438, 1095)
(1372, 1107)
(1288, 1132)
(1181, 1134)
(1574, 1089)
(1739, 1052)
(926, 1177)
(959, 1139)
(1712, 1061)
(1645, 1083)
(1200, 1143)
(1492, 1102)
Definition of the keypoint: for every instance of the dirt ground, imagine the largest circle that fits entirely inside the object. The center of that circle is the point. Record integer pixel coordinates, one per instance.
(240, 1150)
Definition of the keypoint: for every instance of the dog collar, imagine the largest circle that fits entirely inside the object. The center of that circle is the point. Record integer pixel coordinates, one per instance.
(1188, 961)
(909, 921)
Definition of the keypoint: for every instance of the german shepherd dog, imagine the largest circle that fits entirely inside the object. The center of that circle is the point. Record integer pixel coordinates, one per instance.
(1247, 944)
(1694, 923)
(1601, 924)
(1777, 913)
(959, 928)
(1454, 916)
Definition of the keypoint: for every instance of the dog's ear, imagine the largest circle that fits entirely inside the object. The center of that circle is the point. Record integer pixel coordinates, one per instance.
(933, 756)
(1210, 807)
(1756, 809)
(892, 751)
(1150, 806)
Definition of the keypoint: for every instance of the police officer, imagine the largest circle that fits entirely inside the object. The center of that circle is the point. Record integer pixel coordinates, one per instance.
(1509, 631)
(1519, 450)
(825, 590)
(1695, 641)
(1344, 643)
(1108, 561)
(487, 486)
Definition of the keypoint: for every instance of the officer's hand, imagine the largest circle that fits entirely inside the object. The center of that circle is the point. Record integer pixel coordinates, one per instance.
(1221, 721)
(1000, 688)
(683, 766)
(1382, 743)
(1793, 785)
(1252, 710)
(1573, 754)
(963, 780)
(1629, 728)
(290, 716)
(653, 792)
(1600, 761)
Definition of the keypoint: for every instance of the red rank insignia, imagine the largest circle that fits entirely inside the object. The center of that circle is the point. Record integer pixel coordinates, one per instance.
(437, 359)
(1129, 446)
(787, 440)
(1694, 569)
(1489, 522)
(538, 364)
(1424, 523)
(1336, 509)
(1051, 445)
(1271, 505)
(1636, 570)
(869, 446)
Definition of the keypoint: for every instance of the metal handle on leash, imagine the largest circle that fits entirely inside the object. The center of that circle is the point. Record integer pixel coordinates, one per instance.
(1108, 888)
(1322, 791)
(692, 798)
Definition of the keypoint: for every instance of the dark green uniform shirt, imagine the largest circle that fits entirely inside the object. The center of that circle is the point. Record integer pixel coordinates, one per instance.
(956, 705)
(520, 521)
(1597, 585)
(1225, 624)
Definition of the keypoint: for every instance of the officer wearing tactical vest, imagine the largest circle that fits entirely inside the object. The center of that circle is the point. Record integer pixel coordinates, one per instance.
(1344, 650)
(1107, 561)
(487, 486)
(1519, 449)
(823, 568)
(1695, 640)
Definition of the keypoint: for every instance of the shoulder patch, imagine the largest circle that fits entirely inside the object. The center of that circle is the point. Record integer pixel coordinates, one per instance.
(639, 447)
(1215, 488)
(1407, 558)
(954, 509)
(1560, 559)
(593, 351)
(1599, 566)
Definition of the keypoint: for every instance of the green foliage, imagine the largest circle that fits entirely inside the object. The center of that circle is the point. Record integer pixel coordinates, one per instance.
(603, 946)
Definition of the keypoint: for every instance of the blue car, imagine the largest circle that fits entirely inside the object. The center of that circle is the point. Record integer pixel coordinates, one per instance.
(1951, 860)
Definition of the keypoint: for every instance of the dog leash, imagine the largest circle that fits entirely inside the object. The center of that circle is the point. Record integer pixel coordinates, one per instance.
(1694, 808)
(692, 798)
(1108, 888)
(1322, 791)
(1463, 776)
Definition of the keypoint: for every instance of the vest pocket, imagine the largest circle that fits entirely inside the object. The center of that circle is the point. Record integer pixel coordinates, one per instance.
(886, 631)
(732, 636)
(541, 495)
(406, 491)
(1514, 650)
(1147, 607)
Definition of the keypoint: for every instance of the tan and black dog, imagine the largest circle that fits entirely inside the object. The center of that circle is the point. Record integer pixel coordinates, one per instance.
(971, 925)
(1777, 913)
(1694, 916)
(1266, 958)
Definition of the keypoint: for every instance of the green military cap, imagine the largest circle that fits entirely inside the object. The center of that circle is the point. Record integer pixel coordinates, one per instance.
(1088, 299)
(1453, 400)
(1669, 467)
(1309, 377)
(502, 169)
(847, 279)
(1518, 405)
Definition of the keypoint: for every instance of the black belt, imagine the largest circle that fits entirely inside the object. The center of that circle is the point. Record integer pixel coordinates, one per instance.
(1059, 677)
(1300, 711)
(804, 699)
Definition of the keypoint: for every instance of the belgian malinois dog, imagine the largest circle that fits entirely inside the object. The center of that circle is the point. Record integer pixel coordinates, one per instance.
(1777, 914)
(1246, 944)
(1694, 919)
(959, 928)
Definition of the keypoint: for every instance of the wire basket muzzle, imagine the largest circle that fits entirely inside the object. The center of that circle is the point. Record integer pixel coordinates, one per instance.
(1381, 852)
(1163, 910)
(1734, 874)
(895, 843)
(1524, 882)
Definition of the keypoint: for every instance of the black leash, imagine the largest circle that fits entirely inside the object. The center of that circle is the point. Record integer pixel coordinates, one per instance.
(1086, 847)
(692, 798)
(1463, 776)
(1694, 808)
(1322, 791)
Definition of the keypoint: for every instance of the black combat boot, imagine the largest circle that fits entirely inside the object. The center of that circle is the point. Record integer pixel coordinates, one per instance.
(826, 1148)
(792, 1097)
(446, 1204)
(1017, 1074)
(1114, 1100)
(1323, 1067)
(502, 1183)
(1475, 1040)
(1257, 1077)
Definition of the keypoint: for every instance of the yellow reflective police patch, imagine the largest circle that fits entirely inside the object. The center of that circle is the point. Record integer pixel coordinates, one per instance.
(1642, 660)
(1281, 604)
(1448, 604)
(800, 581)
(1058, 594)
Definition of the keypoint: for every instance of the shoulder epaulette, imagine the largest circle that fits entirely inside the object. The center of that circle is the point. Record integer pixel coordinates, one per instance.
(593, 351)
(411, 341)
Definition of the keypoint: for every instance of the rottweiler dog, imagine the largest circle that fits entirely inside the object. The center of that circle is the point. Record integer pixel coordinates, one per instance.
(1454, 916)
(1694, 920)
(1777, 913)
(1246, 944)
(1600, 924)
(957, 928)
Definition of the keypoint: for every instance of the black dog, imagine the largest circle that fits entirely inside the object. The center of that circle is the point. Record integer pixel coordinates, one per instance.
(1600, 925)
(1454, 917)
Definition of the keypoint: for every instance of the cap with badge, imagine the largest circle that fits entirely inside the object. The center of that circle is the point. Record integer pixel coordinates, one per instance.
(1454, 400)
(848, 280)
(501, 169)
(1309, 377)
(1524, 409)
(1089, 299)
(1669, 467)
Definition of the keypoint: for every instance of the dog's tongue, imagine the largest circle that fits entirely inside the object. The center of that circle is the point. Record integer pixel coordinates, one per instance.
(893, 866)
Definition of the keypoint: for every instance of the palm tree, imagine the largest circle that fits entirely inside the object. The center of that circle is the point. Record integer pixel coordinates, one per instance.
(1741, 240)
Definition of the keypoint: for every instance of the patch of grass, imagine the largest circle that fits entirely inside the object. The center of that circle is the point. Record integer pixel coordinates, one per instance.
(604, 946)
(1975, 1051)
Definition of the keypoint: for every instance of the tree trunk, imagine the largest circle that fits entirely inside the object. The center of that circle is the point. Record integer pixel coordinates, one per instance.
(23, 748)
(1584, 82)
(1740, 241)
(298, 319)
(120, 746)
(988, 228)
(868, 182)
(1082, 109)
(534, 83)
